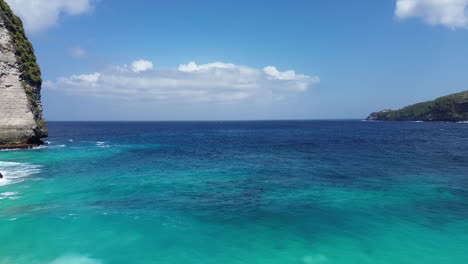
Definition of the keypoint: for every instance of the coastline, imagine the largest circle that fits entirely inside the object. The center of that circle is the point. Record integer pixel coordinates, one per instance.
(19, 146)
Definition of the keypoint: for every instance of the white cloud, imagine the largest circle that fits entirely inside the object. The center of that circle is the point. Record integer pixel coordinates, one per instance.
(451, 13)
(300, 79)
(141, 65)
(78, 52)
(192, 66)
(212, 82)
(38, 15)
(91, 79)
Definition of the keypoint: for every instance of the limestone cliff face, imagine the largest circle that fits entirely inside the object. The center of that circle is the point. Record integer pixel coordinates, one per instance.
(21, 119)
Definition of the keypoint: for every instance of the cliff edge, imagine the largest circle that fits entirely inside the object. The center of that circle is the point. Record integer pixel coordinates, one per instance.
(450, 108)
(21, 121)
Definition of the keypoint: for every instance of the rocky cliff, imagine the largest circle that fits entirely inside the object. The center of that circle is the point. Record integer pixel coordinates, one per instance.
(450, 108)
(21, 119)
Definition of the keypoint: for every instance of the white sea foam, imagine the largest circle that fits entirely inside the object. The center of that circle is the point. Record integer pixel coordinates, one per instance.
(51, 146)
(14, 172)
(40, 147)
(102, 144)
(6, 150)
(315, 259)
(8, 195)
(16, 149)
(75, 259)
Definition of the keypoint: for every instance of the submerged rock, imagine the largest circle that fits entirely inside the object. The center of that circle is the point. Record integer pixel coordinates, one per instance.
(21, 121)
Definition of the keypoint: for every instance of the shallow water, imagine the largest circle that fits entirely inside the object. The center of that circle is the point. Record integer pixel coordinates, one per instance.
(238, 192)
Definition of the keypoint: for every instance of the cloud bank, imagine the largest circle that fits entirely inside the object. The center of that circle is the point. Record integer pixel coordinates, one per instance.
(38, 15)
(211, 82)
(450, 13)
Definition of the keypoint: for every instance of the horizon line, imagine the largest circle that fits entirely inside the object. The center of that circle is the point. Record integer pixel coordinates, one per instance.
(214, 120)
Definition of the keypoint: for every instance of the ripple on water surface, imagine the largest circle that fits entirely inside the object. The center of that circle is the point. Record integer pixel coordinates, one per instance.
(303, 192)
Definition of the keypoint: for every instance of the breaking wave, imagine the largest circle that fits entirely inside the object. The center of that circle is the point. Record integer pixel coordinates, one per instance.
(15, 172)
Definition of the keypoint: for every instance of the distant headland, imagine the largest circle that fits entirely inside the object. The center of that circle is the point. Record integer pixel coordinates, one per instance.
(450, 108)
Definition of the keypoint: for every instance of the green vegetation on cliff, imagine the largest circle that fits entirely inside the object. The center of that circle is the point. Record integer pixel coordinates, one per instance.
(450, 108)
(29, 69)
(30, 73)
(33, 101)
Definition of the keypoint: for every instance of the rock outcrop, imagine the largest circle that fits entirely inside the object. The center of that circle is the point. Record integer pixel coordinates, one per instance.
(450, 108)
(21, 121)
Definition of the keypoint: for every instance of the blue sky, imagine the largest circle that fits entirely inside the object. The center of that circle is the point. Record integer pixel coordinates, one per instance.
(321, 59)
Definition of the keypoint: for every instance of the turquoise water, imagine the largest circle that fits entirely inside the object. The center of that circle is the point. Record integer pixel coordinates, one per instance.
(238, 192)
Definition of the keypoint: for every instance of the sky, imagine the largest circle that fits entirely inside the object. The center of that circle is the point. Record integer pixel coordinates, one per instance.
(244, 60)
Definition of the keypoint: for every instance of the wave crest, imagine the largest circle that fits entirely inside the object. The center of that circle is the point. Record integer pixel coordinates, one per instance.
(15, 172)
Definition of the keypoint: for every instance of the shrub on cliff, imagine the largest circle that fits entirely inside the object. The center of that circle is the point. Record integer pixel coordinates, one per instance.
(24, 51)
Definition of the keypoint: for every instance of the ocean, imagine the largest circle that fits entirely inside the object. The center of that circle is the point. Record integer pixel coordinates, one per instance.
(305, 192)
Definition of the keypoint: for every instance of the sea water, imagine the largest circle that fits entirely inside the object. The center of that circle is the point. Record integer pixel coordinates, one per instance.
(310, 192)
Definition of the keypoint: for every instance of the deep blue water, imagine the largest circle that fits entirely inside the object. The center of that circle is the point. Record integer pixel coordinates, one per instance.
(238, 192)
